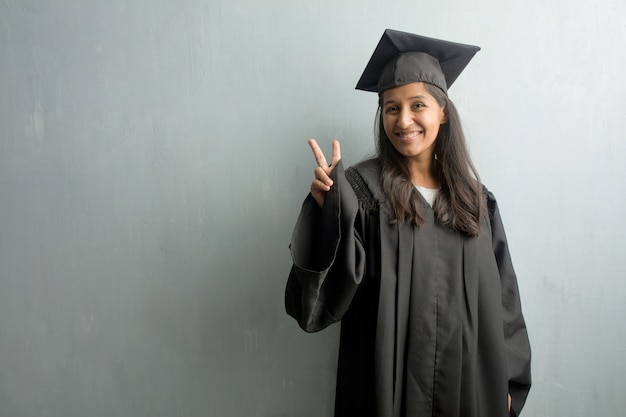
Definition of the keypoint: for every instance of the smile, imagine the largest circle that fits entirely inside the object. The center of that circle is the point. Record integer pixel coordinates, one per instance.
(408, 135)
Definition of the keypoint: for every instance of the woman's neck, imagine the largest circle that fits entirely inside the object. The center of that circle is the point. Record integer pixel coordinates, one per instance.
(422, 173)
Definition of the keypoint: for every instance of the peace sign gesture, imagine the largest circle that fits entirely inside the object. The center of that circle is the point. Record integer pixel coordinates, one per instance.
(322, 182)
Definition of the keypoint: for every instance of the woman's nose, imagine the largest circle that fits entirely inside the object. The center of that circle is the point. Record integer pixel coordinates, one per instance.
(405, 119)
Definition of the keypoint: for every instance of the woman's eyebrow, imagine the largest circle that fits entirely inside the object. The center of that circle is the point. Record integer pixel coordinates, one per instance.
(419, 97)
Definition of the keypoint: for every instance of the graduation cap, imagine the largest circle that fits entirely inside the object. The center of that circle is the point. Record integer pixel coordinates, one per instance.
(402, 58)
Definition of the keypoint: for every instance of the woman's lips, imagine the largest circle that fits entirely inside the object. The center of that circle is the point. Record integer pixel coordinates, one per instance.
(408, 136)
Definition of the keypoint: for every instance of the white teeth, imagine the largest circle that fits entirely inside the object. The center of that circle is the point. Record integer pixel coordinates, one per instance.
(408, 135)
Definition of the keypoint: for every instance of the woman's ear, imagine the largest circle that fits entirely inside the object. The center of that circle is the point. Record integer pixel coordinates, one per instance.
(444, 120)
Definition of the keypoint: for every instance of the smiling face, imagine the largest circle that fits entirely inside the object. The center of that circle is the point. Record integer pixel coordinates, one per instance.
(411, 119)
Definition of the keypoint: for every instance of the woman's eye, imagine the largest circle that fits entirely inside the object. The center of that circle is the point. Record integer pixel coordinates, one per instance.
(418, 105)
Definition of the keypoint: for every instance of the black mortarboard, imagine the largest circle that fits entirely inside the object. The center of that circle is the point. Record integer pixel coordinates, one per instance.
(402, 58)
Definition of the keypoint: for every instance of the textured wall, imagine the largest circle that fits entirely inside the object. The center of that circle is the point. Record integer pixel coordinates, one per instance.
(153, 159)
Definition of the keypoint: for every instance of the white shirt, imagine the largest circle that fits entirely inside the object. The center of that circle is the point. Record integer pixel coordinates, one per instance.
(429, 194)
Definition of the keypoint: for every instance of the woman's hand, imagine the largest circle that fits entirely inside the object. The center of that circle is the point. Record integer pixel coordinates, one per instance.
(322, 182)
(509, 403)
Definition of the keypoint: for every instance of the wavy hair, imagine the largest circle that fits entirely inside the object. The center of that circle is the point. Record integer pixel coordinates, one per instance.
(459, 203)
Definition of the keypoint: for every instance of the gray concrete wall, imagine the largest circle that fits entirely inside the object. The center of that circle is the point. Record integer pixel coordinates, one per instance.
(153, 159)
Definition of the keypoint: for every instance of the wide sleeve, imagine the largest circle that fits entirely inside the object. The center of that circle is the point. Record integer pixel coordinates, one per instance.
(516, 335)
(328, 257)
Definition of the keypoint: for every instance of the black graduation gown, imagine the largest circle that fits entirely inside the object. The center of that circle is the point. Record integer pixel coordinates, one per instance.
(431, 321)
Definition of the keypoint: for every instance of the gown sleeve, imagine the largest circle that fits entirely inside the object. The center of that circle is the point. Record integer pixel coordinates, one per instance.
(328, 257)
(515, 333)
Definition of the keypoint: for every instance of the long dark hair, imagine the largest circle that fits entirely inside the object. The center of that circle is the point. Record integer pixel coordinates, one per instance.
(459, 203)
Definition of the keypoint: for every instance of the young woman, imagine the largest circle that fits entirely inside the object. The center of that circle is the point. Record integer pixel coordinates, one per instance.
(408, 251)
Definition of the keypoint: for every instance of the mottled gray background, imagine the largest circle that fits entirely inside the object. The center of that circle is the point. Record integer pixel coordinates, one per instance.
(153, 159)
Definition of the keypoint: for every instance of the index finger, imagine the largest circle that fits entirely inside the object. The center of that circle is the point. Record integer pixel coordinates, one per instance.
(319, 155)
